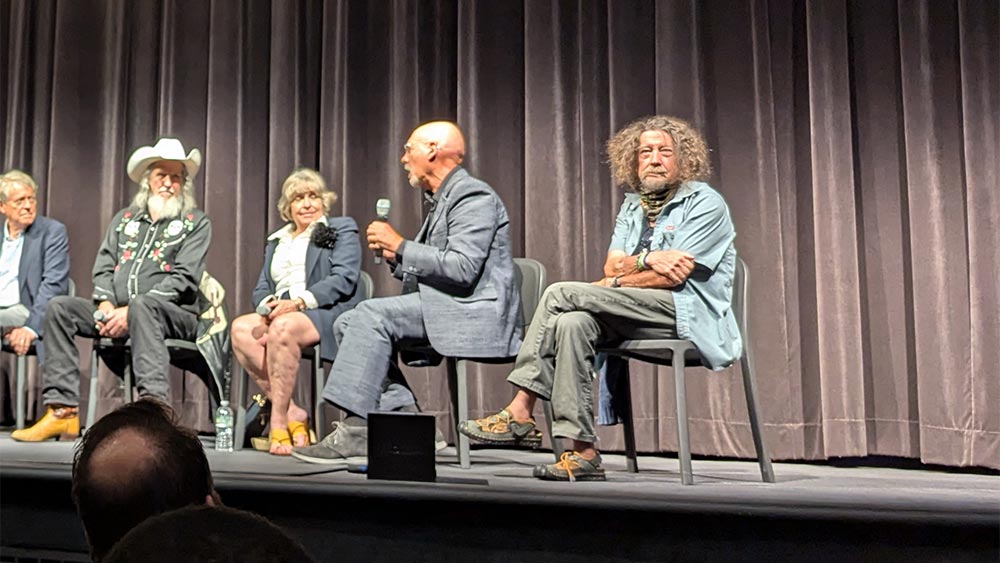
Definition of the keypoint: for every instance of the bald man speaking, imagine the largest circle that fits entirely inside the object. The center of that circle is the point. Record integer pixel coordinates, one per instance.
(458, 292)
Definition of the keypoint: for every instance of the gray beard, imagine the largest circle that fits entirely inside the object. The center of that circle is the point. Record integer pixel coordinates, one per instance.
(160, 208)
(648, 187)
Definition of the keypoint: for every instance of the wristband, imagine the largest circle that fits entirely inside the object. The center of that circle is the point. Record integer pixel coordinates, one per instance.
(640, 260)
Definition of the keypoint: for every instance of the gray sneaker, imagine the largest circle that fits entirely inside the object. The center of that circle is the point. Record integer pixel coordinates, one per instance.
(439, 442)
(571, 467)
(501, 429)
(344, 444)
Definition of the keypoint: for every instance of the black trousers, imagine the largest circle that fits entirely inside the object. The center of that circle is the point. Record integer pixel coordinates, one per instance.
(150, 321)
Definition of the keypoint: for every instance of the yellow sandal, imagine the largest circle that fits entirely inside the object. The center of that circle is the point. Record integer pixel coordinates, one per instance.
(280, 438)
(299, 429)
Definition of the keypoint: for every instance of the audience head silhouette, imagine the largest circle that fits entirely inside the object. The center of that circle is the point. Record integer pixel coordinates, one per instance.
(134, 463)
(202, 534)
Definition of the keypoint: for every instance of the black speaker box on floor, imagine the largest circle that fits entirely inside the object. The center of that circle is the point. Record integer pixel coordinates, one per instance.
(401, 446)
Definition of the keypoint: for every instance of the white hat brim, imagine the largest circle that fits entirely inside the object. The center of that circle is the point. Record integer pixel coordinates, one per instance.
(165, 149)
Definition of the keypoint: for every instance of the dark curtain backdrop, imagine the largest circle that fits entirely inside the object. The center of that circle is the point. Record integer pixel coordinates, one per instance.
(855, 141)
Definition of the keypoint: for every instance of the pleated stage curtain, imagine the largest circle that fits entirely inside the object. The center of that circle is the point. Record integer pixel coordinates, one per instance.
(856, 143)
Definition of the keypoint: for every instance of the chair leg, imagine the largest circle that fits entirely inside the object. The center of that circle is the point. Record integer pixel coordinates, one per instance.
(240, 397)
(459, 384)
(129, 376)
(22, 374)
(319, 421)
(92, 397)
(684, 445)
(631, 458)
(558, 448)
(750, 389)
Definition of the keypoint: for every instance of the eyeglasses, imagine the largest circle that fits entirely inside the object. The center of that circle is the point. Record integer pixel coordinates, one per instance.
(23, 202)
(410, 146)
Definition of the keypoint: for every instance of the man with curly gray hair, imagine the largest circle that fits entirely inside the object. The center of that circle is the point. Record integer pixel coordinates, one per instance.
(668, 274)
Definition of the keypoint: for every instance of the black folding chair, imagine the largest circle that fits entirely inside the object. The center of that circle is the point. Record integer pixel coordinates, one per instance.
(531, 278)
(21, 370)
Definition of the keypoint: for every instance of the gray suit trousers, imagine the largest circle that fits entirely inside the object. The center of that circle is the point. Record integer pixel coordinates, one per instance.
(150, 321)
(364, 378)
(556, 360)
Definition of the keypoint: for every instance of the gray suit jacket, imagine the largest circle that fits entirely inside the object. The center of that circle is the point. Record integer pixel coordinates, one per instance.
(465, 272)
(44, 269)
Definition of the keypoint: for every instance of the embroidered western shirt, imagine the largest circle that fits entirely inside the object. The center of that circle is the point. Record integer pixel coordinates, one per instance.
(164, 259)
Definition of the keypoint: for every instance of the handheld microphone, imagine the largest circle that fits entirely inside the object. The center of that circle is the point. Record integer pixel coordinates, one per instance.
(262, 309)
(100, 317)
(382, 207)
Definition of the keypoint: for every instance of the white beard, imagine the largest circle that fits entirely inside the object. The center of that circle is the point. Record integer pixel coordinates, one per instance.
(160, 208)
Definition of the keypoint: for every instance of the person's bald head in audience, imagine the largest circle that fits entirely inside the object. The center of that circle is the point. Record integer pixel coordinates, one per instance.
(134, 463)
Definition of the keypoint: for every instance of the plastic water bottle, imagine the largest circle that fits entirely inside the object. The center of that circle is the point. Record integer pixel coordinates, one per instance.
(224, 428)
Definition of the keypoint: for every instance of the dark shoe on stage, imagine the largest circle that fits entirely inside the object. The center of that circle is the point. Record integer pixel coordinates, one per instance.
(344, 444)
(62, 423)
(572, 467)
(501, 429)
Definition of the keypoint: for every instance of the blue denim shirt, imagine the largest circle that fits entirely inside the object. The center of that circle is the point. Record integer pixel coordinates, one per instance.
(696, 221)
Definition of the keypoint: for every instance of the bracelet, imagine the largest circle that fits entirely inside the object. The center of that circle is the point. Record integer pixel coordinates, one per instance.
(640, 260)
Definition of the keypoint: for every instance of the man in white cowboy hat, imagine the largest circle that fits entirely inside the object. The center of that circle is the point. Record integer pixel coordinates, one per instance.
(146, 278)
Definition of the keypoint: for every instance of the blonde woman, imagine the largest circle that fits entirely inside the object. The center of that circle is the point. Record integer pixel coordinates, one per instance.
(310, 276)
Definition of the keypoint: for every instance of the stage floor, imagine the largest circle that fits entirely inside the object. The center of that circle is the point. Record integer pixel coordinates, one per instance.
(496, 512)
(501, 475)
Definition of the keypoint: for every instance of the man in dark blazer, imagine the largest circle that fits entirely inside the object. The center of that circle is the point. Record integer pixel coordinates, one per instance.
(34, 262)
(459, 292)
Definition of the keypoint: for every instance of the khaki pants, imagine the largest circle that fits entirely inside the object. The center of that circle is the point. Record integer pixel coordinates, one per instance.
(557, 357)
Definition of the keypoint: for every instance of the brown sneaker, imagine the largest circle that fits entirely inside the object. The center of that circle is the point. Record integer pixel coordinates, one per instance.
(501, 429)
(572, 467)
(62, 423)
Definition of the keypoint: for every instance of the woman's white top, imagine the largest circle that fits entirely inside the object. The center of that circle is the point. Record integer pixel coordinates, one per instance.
(288, 263)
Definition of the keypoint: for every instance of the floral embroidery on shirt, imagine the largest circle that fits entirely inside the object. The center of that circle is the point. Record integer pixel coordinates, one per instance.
(173, 234)
(126, 222)
(131, 229)
(174, 228)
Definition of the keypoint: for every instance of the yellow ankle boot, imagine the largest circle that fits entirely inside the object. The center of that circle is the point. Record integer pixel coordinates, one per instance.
(62, 423)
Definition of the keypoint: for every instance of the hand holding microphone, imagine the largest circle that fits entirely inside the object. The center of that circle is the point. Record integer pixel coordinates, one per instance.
(382, 238)
(382, 207)
(262, 309)
(113, 325)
